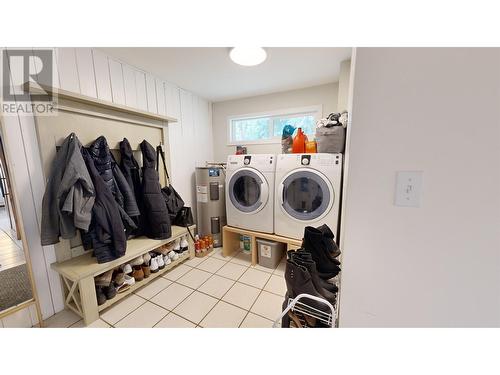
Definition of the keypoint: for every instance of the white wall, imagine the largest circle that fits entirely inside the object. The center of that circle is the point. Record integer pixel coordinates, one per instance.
(325, 95)
(435, 110)
(92, 73)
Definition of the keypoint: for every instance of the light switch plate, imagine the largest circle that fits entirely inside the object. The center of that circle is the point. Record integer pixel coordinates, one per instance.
(408, 188)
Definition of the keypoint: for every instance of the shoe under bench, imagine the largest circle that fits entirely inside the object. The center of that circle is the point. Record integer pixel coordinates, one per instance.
(78, 274)
(231, 241)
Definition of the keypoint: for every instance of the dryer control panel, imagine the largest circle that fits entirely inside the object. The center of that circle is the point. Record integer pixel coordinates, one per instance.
(262, 162)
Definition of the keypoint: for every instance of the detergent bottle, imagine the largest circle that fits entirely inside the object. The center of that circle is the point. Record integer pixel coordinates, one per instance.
(299, 142)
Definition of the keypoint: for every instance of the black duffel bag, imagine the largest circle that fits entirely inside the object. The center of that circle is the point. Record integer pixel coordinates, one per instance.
(172, 198)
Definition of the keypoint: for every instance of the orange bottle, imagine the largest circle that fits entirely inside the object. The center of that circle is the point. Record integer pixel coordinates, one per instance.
(299, 142)
(311, 147)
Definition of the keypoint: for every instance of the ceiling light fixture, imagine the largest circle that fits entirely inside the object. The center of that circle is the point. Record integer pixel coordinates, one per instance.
(248, 56)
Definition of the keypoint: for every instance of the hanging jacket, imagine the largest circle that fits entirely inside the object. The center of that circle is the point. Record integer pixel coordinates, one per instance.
(155, 208)
(113, 176)
(107, 232)
(69, 194)
(131, 171)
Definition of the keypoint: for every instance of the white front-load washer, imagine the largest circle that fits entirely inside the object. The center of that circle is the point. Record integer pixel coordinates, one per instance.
(250, 191)
(307, 192)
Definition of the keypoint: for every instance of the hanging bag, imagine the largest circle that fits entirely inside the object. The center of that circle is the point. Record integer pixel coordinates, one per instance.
(173, 200)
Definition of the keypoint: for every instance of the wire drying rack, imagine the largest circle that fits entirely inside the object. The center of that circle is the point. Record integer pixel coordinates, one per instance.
(295, 305)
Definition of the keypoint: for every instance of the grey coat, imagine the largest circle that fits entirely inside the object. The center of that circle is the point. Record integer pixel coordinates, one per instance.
(69, 194)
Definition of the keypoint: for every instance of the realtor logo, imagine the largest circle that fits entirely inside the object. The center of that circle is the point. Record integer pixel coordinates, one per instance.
(26, 75)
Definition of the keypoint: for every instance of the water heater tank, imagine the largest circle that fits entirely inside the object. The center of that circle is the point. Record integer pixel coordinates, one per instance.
(210, 202)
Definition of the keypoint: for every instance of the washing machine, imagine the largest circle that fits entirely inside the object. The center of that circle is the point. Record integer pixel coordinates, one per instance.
(307, 192)
(250, 191)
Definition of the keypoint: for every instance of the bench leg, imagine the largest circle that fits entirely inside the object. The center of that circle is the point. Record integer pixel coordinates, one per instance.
(191, 246)
(88, 300)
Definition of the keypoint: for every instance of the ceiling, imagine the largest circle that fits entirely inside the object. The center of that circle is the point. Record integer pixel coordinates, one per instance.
(210, 73)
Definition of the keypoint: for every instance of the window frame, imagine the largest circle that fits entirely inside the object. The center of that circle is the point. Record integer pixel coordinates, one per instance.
(316, 110)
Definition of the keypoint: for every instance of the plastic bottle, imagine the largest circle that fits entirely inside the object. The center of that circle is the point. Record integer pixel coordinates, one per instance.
(299, 142)
(311, 147)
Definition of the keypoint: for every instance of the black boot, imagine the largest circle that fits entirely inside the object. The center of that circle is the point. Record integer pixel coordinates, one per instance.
(109, 291)
(329, 238)
(324, 288)
(307, 257)
(315, 244)
(298, 281)
(101, 297)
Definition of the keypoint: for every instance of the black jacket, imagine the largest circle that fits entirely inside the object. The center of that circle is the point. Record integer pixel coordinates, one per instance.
(113, 176)
(155, 208)
(131, 171)
(107, 232)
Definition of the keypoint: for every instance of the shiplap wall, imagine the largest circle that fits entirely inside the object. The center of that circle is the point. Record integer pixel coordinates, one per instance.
(90, 72)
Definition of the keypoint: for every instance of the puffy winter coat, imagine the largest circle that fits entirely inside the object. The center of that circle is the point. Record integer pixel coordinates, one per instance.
(113, 176)
(155, 208)
(131, 171)
(107, 232)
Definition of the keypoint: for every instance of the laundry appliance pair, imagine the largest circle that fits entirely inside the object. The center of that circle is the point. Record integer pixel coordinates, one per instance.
(282, 194)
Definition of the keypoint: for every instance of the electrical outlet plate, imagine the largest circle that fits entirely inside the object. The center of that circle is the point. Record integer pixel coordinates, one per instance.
(408, 188)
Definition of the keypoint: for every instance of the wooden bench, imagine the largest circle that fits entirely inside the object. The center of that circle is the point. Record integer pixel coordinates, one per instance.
(78, 274)
(231, 241)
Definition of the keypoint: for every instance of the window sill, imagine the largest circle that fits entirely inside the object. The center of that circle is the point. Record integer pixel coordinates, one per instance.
(249, 143)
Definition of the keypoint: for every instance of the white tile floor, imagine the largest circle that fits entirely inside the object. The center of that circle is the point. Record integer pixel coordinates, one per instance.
(202, 292)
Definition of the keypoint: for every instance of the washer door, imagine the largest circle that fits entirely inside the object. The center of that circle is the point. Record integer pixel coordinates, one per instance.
(248, 190)
(306, 195)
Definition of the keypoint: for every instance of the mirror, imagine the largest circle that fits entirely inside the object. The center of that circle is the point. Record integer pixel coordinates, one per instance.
(16, 286)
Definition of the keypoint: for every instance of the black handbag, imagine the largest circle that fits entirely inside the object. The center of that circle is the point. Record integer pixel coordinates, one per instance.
(172, 198)
(184, 219)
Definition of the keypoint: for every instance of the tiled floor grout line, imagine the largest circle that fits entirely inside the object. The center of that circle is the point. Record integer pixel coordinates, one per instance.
(248, 311)
(145, 300)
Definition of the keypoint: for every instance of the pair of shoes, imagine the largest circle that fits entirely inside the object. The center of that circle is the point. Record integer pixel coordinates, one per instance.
(302, 258)
(184, 244)
(138, 273)
(123, 282)
(104, 287)
(329, 238)
(104, 279)
(139, 261)
(126, 268)
(157, 263)
(166, 259)
(321, 246)
(173, 255)
(299, 281)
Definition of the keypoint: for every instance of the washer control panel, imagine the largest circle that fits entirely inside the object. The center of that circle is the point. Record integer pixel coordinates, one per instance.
(305, 160)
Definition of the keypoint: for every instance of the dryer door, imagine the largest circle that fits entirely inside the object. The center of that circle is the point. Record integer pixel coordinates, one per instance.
(248, 190)
(306, 195)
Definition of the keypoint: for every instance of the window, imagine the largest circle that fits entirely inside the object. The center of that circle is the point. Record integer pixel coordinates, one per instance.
(268, 127)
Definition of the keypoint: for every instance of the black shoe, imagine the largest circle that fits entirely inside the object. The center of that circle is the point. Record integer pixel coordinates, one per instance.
(324, 288)
(329, 238)
(315, 243)
(101, 297)
(298, 281)
(303, 254)
(109, 291)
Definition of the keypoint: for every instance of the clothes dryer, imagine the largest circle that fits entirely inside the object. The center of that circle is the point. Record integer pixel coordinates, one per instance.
(308, 188)
(250, 192)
